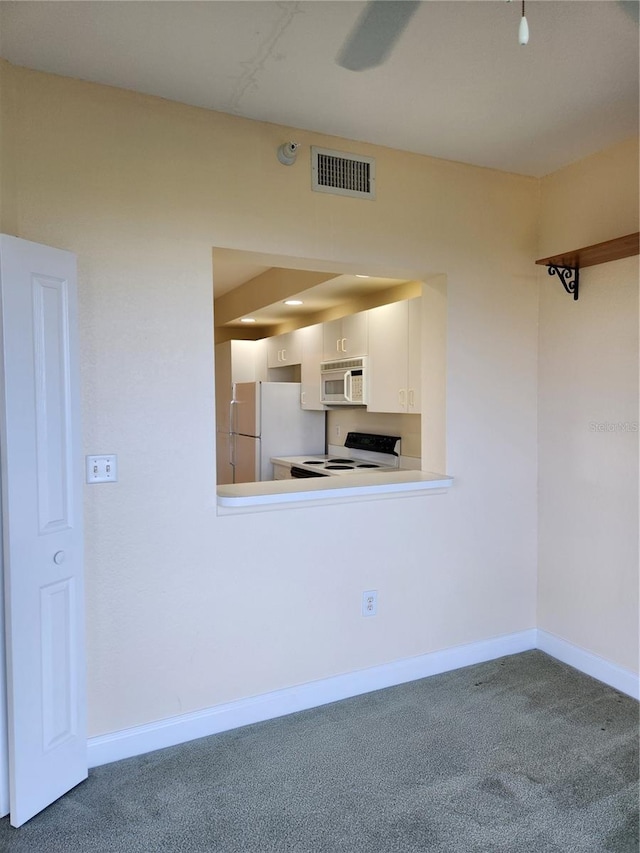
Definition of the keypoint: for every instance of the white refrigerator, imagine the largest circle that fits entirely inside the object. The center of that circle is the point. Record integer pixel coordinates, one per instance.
(266, 421)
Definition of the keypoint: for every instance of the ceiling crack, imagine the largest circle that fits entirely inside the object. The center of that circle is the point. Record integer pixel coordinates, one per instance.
(252, 67)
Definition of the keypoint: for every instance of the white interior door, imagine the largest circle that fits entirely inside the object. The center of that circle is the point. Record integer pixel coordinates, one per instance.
(42, 525)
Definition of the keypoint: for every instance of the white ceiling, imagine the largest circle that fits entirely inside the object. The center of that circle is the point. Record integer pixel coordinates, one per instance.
(457, 84)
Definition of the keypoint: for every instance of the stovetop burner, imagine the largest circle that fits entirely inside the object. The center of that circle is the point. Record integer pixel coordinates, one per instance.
(367, 453)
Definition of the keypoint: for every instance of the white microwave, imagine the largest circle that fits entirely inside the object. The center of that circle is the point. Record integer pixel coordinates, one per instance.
(344, 382)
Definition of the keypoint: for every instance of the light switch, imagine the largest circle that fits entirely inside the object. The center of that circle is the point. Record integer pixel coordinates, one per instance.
(102, 469)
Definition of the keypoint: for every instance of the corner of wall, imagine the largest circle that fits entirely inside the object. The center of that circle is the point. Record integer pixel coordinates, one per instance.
(590, 201)
(8, 216)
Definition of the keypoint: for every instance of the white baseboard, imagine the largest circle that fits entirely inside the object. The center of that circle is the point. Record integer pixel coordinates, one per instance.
(136, 741)
(140, 739)
(610, 673)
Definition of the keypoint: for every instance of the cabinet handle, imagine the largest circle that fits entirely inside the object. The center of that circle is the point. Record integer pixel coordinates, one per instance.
(284, 355)
(302, 397)
(401, 397)
(411, 398)
(342, 346)
(338, 345)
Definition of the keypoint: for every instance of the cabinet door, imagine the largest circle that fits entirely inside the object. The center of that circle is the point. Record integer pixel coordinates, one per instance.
(347, 336)
(292, 350)
(414, 365)
(388, 354)
(355, 334)
(312, 356)
(332, 338)
(274, 351)
(283, 350)
(281, 472)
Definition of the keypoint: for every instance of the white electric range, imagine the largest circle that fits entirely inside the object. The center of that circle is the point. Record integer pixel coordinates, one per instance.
(362, 453)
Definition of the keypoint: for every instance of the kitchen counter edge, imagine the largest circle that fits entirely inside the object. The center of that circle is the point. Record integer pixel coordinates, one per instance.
(284, 493)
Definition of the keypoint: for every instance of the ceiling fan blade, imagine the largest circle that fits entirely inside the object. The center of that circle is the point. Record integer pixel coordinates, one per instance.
(631, 8)
(375, 33)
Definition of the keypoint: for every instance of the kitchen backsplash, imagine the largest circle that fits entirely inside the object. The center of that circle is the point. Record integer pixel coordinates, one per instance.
(357, 420)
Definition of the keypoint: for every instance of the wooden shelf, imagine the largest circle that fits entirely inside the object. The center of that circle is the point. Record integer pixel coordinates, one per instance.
(599, 253)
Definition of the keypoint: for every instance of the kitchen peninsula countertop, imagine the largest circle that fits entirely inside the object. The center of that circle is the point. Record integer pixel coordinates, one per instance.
(274, 494)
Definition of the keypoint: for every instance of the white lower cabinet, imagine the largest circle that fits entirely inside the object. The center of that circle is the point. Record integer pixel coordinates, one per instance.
(394, 357)
(281, 472)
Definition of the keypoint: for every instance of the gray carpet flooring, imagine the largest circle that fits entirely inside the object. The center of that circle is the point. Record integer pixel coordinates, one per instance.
(519, 754)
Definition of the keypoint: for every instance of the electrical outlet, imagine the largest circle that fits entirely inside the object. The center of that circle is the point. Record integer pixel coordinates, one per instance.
(370, 602)
(102, 469)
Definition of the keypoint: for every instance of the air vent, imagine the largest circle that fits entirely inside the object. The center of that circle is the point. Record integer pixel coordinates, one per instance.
(342, 174)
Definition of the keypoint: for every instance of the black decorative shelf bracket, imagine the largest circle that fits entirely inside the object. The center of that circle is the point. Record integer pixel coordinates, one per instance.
(569, 276)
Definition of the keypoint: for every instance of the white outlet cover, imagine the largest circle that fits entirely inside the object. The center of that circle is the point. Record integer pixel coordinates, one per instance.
(102, 469)
(370, 602)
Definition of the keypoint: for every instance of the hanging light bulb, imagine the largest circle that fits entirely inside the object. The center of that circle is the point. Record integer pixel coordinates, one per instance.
(523, 31)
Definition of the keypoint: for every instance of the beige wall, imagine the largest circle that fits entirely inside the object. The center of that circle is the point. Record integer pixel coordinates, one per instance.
(588, 414)
(342, 421)
(593, 200)
(186, 609)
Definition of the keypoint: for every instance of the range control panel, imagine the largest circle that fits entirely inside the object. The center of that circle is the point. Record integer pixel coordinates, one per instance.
(374, 443)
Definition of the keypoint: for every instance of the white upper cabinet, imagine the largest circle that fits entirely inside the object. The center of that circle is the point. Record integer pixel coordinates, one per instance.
(346, 337)
(283, 350)
(262, 374)
(414, 369)
(311, 338)
(394, 357)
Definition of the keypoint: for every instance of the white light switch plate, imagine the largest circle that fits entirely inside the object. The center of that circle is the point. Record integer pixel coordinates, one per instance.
(102, 469)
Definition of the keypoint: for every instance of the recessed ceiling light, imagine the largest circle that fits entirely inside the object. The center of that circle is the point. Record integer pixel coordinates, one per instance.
(363, 276)
(247, 320)
(293, 302)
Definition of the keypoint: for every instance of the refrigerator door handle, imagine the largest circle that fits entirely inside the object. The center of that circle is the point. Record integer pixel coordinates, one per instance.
(232, 426)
